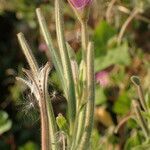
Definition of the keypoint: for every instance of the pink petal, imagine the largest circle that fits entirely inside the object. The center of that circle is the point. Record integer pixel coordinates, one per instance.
(79, 4)
(102, 78)
(43, 47)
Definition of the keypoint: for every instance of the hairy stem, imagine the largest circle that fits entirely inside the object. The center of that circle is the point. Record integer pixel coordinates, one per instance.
(138, 17)
(141, 119)
(136, 81)
(48, 126)
(109, 10)
(51, 119)
(81, 112)
(28, 53)
(84, 39)
(84, 143)
(141, 97)
(54, 53)
(125, 25)
(45, 139)
(69, 87)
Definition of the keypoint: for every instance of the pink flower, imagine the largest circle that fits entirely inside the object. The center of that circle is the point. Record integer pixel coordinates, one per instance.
(102, 78)
(80, 4)
(43, 47)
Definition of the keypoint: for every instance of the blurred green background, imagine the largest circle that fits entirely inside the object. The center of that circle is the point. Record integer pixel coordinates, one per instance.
(115, 63)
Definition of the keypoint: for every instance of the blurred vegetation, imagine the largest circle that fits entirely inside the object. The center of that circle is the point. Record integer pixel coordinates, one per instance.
(19, 121)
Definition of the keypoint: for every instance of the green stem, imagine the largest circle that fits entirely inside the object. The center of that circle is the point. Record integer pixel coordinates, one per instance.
(79, 127)
(141, 119)
(85, 140)
(141, 97)
(133, 14)
(28, 53)
(136, 81)
(53, 53)
(84, 39)
(81, 117)
(69, 87)
(52, 126)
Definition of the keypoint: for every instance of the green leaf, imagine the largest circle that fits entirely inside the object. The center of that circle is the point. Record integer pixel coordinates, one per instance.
(102, 34)
(118, 55)
(5, 122)
(106, 55)
(95, 145)
(132, 124)
(120, 76)
(29, 146)
(55, 80)
(133, 141)
(100, 96)
(71, 52)
(62, 123)
(142, 147)
(122, 104)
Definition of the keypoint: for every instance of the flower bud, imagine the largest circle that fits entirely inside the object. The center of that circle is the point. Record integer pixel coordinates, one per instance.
(80, 4)
(81, 8)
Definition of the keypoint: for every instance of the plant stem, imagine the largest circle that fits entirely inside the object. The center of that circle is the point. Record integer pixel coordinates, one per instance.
(81, 113)
(138, 17)
(122, 122)
(141, 97)
(126, 23)
(84, 143)
(136, 81)
(45, 139)
(141, 119)
(52, 126)
(84, 39)
(69, 87)
(54, 53)
(48, 122)
(79, 128)
(28, 53)
(63, 143)
(109, 11)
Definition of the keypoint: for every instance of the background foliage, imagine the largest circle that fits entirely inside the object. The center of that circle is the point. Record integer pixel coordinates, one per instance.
(19, 120)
